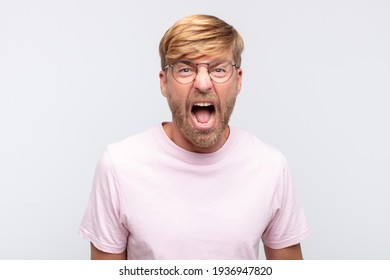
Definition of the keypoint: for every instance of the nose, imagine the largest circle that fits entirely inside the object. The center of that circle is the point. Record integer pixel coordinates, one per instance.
(203, 81)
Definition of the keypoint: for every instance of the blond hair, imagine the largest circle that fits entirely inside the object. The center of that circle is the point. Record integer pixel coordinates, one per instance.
(200, 35)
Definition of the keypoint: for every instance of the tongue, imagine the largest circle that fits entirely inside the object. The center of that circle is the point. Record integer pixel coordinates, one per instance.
(202, 115)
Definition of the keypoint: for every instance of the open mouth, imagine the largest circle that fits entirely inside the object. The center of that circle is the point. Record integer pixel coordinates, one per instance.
(203, 114)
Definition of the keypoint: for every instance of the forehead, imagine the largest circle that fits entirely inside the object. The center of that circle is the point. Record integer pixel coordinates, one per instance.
(208, 59)
(197, 58)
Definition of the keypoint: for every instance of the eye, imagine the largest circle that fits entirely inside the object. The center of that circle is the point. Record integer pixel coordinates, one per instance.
(184, 69)
(219, 70)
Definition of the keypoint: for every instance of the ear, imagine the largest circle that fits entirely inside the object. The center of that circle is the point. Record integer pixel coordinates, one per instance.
(163, 82)
(239, 80)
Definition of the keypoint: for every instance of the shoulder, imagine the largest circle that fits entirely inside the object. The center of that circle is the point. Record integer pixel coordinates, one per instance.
(132, 144)
(132, 148)
(252, 145)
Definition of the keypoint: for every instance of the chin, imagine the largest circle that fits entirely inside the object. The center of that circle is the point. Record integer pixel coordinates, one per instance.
(204, 139)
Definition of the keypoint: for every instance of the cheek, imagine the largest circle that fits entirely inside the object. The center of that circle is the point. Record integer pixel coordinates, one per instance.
(179, 93)
(175, 98)
(238, 88)
(230, 92)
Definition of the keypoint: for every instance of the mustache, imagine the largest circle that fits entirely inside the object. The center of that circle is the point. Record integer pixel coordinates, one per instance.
(203, 96)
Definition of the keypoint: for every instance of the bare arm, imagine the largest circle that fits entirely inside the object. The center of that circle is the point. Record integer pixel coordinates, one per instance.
(290, 253)
(96, 254)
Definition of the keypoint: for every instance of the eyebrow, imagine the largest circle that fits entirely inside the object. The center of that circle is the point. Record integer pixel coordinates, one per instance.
(213, 62)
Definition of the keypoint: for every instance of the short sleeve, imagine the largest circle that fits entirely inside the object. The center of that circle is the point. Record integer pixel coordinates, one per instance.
(101, 223)
(288, 224)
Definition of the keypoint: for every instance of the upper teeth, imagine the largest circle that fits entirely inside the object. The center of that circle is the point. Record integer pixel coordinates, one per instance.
(205, 104)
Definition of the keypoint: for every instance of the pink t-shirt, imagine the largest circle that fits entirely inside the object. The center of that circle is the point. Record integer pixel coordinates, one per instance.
(160, 201)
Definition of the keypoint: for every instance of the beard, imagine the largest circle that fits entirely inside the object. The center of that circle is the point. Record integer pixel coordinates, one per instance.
(201, 138)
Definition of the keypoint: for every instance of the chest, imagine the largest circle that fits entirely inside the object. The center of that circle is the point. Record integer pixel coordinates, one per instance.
(199, 214)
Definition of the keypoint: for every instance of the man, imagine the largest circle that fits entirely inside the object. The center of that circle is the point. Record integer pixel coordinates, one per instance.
(195, 188)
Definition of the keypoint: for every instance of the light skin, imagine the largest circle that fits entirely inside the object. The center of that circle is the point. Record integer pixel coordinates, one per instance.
(201, 90)
(97, 254)
(290, 253)
(293, 252)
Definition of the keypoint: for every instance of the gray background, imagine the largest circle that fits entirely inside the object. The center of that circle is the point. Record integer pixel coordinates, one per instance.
(78, 75)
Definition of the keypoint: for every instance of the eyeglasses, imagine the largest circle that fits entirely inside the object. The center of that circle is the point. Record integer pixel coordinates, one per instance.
(185, 71)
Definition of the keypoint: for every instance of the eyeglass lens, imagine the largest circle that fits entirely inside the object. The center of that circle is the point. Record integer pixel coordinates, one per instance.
(185, 71)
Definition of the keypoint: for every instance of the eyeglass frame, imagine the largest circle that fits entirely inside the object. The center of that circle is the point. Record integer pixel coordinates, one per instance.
(235, 65)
